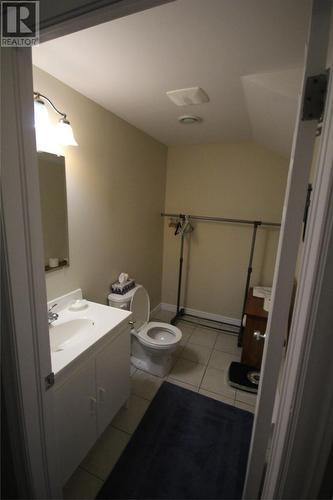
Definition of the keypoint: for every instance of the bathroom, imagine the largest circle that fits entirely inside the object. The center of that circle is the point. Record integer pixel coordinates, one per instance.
(135, 161)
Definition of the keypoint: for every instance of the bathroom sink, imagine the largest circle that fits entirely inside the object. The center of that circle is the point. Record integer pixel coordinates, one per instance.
(68, 333)
(77, 325)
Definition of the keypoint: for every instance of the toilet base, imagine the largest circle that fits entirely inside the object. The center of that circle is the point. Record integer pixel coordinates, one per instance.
(156, 362)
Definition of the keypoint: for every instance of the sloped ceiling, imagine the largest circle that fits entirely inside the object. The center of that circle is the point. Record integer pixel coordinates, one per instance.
(246, 54)
(271, 101)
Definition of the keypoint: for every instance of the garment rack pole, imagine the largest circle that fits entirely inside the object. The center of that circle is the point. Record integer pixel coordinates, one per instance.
(181, 312)
(181, 260)
(222, 219)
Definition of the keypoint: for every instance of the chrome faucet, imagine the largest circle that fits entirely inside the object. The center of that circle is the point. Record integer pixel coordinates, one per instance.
(52, 316)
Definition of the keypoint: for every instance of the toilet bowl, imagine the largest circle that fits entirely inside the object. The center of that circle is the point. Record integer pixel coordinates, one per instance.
(152, 343)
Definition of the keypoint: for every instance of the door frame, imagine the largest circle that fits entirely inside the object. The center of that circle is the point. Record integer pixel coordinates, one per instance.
(25, 345)
(23, 249)
(305, 411)
(315, 62)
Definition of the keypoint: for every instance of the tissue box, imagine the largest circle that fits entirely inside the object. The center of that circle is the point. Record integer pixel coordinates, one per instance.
(122, 288)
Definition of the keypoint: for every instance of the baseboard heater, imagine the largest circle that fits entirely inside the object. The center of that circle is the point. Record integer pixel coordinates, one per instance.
(223, 326)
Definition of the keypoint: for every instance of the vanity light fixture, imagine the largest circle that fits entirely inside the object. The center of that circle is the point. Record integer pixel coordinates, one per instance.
(63, 129)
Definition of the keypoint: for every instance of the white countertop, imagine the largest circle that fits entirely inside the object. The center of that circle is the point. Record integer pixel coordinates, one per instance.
(104, 319)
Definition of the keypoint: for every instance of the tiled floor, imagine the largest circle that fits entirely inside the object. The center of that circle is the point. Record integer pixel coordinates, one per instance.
(200, 364)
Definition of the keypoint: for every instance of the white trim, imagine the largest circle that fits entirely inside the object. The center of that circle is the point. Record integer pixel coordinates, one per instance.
(203, 314)
(69, 20)
(25, 273)
(306, 389)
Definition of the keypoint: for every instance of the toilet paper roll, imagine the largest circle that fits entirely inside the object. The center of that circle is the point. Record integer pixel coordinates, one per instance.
(53, 262)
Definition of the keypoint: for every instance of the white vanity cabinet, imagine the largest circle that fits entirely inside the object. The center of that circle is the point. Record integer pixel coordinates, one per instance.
(88, 396)
(75, 418)
(112, 380)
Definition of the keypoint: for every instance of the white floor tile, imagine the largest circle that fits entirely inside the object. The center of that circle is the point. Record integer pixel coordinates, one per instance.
(182, 384)
(215, 381)
(185, 327)
(244, 406)
(145, 385)
(82, 485)
(186, 335)
(176, 354)
(227, 343)
(204, 337)
(222, 360)
(104, 455)
(218, 397)
(196, 353)
(188, 372)
(246, 397)
(127, 419)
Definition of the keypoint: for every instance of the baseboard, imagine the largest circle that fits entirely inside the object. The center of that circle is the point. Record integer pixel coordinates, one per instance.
(203, 314)
(155, 310)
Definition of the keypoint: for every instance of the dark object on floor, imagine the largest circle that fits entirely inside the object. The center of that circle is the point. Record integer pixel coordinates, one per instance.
(243, 377)
(187, 446)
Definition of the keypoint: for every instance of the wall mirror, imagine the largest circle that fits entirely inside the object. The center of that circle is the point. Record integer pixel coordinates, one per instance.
(53, 195)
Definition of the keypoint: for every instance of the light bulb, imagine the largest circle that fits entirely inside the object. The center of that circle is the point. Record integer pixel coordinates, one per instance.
(46, 140)
(41, 113)
(65, 133)
(45, 133)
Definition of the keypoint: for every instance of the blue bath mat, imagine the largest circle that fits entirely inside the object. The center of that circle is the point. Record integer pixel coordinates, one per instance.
(187, 446)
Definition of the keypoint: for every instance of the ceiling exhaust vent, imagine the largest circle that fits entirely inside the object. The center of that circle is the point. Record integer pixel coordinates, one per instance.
(189, 119)
(187, 97)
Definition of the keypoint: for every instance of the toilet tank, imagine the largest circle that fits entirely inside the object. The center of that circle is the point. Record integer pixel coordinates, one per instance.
(122, 301)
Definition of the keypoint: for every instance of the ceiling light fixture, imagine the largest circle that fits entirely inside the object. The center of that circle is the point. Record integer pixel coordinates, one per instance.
(63, 130)
(189, 119)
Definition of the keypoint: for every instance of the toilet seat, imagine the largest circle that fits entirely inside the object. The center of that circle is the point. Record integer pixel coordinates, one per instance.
(159, 335)
(155, 335)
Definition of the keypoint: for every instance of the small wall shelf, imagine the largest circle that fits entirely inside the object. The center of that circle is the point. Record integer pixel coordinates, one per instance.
(62, 263)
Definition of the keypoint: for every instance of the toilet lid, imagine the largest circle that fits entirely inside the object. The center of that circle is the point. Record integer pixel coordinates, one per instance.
(140, 307)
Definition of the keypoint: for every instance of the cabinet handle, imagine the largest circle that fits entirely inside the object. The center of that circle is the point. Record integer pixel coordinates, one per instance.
(101, 394)
(92, 405)
(258, 335)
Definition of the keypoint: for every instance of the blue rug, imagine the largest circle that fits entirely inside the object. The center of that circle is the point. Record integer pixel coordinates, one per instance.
(187, 446)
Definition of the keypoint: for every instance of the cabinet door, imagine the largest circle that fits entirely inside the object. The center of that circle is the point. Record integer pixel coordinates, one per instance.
(75, 418)
(112, 378)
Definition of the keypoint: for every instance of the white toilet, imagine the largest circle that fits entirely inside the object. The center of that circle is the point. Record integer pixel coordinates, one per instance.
(152, 343)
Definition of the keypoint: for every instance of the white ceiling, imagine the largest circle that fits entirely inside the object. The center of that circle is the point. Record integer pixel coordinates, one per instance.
(246, 54)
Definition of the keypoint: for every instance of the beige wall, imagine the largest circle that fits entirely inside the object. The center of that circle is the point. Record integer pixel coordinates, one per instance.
(115, 189)
(231, 180)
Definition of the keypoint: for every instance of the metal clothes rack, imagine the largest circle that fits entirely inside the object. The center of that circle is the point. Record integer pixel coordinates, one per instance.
(180, 312)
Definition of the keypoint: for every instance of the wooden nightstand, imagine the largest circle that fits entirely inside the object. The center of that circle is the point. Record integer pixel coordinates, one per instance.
(256, 320)
(245, 375)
